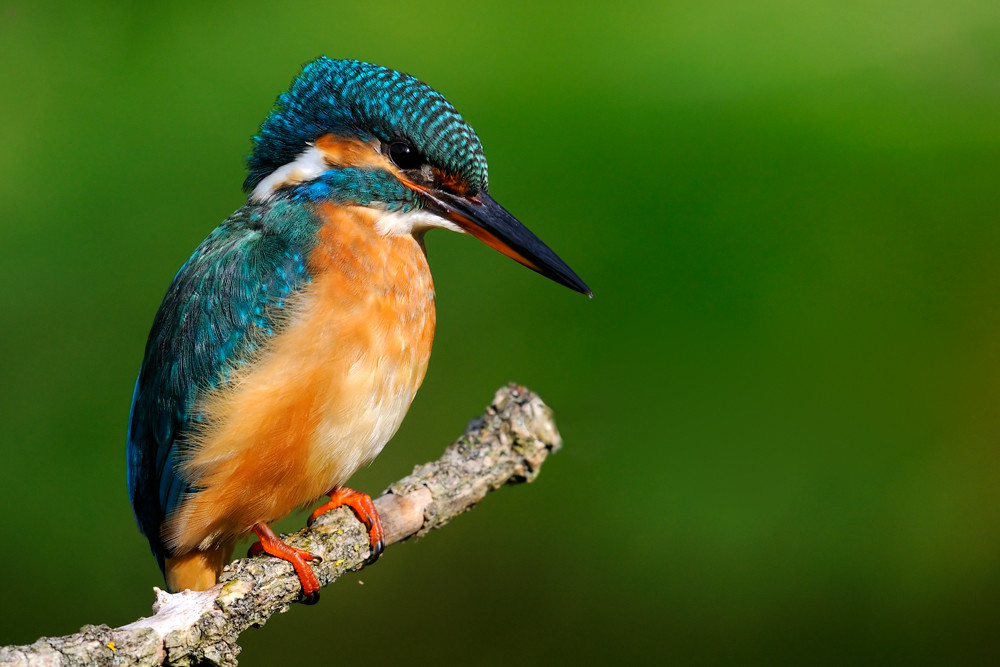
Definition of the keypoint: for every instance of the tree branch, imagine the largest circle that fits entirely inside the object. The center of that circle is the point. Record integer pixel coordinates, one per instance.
(506, 445)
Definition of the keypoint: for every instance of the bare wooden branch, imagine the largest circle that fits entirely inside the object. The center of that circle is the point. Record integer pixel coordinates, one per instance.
(506, 445)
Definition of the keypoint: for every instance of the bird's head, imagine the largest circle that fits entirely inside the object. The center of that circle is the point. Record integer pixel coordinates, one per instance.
(362, 134)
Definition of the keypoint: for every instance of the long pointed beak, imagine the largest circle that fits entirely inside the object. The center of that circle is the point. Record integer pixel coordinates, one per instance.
(489, 222)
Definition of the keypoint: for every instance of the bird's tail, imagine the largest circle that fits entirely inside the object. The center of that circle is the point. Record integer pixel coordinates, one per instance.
(197, 570)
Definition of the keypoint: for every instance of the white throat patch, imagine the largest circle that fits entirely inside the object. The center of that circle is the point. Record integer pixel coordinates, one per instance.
(415, 222)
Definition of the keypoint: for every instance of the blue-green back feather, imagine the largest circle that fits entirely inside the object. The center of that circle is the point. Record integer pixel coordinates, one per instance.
(225, 301)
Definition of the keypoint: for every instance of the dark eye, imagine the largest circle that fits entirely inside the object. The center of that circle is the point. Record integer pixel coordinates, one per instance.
(405, 156)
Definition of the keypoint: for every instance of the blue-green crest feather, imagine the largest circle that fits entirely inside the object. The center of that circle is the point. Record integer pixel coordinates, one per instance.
(358, 99)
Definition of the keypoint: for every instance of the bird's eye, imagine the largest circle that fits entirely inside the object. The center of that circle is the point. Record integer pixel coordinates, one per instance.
(405, 156)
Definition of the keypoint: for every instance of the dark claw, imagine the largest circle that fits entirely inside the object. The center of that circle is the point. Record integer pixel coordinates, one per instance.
(310, 599)
(376, 551)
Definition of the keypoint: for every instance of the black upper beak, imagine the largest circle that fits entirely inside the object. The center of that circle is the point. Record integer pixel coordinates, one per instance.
(489, 222)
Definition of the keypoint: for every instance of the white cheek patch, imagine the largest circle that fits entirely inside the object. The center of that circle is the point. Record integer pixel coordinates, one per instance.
(394, 223)
(310, 164)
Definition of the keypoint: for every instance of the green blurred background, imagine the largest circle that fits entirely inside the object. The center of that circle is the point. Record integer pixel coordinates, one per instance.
(780, 408)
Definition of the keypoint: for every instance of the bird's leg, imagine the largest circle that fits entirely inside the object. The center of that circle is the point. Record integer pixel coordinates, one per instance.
(364, 509)
(272, 544)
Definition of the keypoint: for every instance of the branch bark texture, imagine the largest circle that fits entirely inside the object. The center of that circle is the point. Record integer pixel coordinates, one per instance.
(506, 445)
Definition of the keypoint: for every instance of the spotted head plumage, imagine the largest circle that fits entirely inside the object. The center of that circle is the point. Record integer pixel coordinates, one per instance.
(356, 99)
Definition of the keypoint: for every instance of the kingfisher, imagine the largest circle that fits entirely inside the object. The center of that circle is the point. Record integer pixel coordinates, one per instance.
(289, 346)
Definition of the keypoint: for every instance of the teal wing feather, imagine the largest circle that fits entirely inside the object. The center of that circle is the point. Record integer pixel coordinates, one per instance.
(224, 302)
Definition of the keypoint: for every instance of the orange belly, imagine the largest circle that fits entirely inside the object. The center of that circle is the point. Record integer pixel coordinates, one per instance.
(324, 397)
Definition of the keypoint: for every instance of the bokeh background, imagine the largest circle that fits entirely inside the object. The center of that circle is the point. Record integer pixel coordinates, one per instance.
(780, 408)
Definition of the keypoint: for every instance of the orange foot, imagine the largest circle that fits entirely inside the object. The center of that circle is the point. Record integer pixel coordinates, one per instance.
(272, 544)
(363, 507)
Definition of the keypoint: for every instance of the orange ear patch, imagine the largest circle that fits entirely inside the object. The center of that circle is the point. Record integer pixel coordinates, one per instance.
(343, 152)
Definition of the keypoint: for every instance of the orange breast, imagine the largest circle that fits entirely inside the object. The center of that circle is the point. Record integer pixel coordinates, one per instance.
(325, 396)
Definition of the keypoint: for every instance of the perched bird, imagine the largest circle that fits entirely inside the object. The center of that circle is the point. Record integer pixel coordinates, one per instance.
(289, 346)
